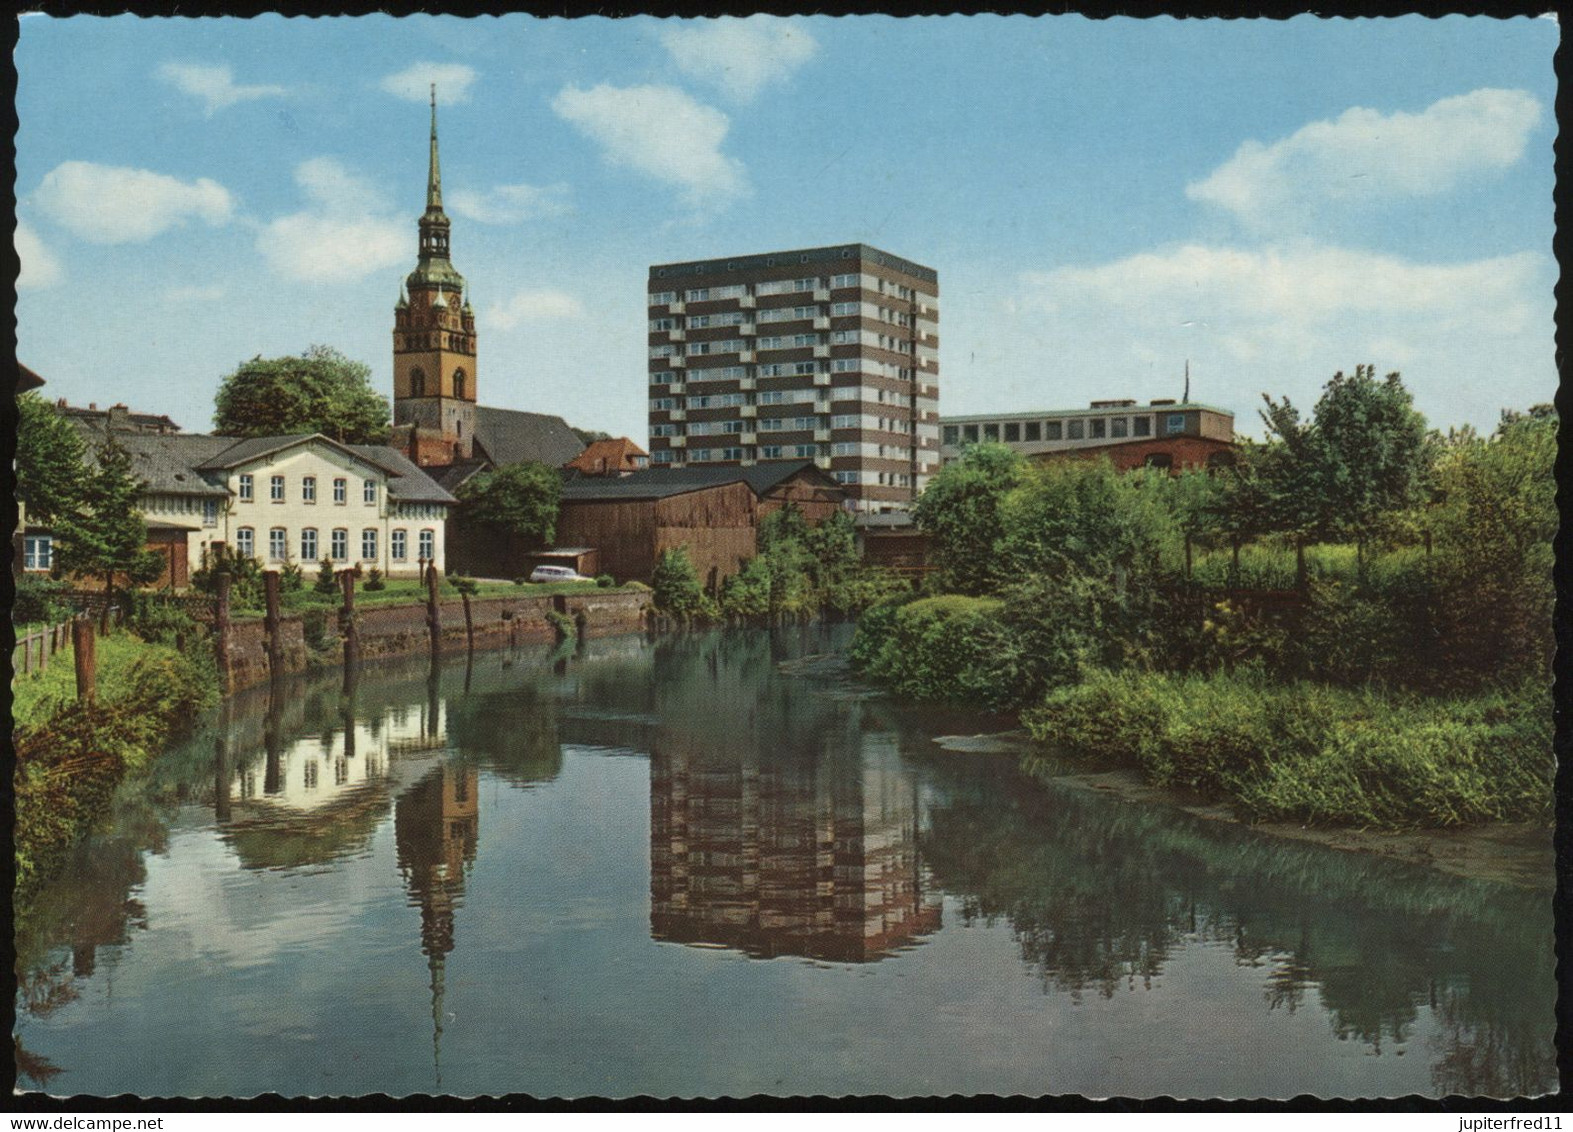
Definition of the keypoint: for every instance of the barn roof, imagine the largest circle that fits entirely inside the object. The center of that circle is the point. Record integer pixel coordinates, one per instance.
(762, 478)
(636, 486)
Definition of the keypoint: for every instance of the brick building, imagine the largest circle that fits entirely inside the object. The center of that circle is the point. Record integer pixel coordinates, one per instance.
(1162, 433)
(438, 421)
(824, 354)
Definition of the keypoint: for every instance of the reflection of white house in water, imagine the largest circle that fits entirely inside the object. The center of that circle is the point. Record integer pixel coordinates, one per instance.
(318, 797)
(312, 772)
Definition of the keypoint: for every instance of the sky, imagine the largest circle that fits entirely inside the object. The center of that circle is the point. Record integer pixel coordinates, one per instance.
(1105, 201)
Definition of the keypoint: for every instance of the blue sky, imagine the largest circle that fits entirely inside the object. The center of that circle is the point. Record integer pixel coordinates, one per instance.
(1103, 200)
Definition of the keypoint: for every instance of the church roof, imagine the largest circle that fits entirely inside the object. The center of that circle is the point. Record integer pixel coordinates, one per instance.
(512, 436)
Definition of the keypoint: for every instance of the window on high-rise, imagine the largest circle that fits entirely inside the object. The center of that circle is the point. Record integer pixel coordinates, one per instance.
(1141, 426)
(1099, 428)
(1032, 431)
(1053, 430)
(1117, 426)
(1012, 432)
(969, 433)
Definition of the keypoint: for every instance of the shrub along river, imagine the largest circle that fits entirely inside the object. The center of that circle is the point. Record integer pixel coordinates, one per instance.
(703, 865)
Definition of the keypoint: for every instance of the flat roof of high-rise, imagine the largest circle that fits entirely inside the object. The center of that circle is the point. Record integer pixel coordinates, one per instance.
(833, 253)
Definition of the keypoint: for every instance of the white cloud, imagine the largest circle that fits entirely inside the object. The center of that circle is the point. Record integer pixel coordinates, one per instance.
(345, 235)
(1470, 337)
(414, 82)
(213, 85)
(39, 267)
(111, 204)
(660, 132)
(1364, 157)
(510, 204)
(739, 56)
(534, 306)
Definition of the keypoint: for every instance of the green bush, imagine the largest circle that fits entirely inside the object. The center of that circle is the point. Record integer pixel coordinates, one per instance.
(291, 578)
(374, 580)
(938, 648)
(464, 585)
(39, 601)
(1314, 753)
(521, 581)
(154, 619)
(605, 581)
(326, 583)
(676, 584)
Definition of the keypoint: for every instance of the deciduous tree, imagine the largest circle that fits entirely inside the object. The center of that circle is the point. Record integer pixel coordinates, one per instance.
(520, 500)
(319, 391)
(49, 467)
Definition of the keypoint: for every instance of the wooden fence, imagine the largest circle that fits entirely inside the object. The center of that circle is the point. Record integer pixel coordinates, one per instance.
(39, 646)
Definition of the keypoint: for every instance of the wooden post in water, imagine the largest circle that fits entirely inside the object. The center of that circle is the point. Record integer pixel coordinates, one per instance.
(221, 767)
(85, 644)
(433, 609)
(469, 624)
(221, 627)
(347, 626)
(270, 590)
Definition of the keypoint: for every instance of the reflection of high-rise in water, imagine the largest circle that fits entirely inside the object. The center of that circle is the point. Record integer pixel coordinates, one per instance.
(785, 857)
(436, 824)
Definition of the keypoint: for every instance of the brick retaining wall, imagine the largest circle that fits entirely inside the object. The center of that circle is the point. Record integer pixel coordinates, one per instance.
(398, 630)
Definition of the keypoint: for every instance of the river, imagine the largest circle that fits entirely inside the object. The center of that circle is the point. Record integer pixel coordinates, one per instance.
(705, 866)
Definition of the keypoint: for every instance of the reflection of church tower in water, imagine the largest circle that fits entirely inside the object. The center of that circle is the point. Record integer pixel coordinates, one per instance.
(436, 824)
(785, 859)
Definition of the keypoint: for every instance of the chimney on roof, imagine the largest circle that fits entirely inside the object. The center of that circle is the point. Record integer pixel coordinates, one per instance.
(92, 406)
(61, 403)
(119, 417)
(1163, 401)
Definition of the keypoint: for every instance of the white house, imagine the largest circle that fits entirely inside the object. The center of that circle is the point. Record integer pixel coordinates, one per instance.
(279, 499)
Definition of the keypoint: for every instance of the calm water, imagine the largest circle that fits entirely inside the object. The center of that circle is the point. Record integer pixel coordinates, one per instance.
(678, 868)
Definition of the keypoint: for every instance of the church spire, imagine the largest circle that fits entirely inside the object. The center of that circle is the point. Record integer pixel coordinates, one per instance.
(434, 175)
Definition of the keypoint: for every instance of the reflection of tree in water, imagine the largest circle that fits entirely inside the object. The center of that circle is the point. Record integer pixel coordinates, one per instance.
(90, 906)
(1101, 892)
(513, 732)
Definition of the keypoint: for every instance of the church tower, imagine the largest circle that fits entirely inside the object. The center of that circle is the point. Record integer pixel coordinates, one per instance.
(434, 342)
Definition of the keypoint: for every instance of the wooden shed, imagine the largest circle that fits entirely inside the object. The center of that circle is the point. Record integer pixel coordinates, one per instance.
(633, 520)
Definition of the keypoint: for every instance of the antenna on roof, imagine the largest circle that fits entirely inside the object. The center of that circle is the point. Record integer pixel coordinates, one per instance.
(1186, 399)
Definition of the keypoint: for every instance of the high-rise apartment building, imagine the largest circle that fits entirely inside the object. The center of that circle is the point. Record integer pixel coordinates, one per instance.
(829, 354)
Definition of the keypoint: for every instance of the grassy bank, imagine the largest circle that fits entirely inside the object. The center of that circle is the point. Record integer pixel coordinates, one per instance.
(1309, 752)
(71, 755)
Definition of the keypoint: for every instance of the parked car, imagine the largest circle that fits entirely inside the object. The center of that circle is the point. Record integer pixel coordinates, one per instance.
(556, 574)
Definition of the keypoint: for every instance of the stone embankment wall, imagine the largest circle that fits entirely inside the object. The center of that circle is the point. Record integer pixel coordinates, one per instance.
(397, 630)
